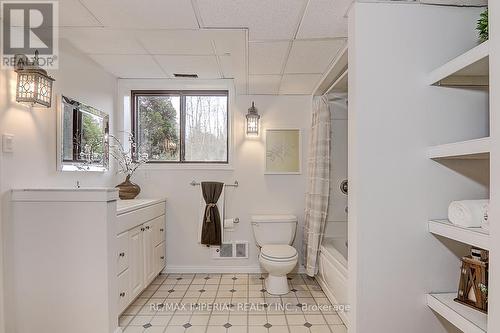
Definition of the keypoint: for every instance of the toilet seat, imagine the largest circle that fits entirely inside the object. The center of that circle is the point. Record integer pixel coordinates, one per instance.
(278, 253)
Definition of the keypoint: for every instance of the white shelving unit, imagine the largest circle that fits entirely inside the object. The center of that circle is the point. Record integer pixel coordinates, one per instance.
(471, 149)
(463, 317)
(472, 236)
(469, 69)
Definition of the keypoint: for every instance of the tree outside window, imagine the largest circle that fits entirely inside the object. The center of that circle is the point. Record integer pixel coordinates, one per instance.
(181, 126)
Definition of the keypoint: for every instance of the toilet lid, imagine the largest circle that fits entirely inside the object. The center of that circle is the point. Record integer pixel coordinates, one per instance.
(278, 251)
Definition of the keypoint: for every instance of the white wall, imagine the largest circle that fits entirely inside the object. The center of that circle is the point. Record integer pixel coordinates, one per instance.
(337, 215)
(257, 193)
(33, 163)
(394, 189)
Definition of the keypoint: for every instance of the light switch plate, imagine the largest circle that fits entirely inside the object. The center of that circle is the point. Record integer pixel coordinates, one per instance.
(8, 143)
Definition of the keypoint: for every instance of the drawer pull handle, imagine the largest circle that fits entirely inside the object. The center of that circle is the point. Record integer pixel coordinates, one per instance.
(122, 254)
(122, 294)
(142, 229)
(162, 257)
(161, 229)
(147, 227)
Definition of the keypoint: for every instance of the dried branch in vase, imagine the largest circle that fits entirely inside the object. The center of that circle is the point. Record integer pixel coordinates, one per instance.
(129, 157)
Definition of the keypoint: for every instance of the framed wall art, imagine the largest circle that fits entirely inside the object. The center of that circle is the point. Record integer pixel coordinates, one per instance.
(283, 151)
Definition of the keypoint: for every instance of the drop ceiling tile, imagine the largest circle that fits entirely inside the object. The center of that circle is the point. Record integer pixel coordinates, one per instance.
(264, 84)
(227, 66)
(73, 14)
(129, 66)
(299, 84)
(205, 66)
(187, 42)
(102, 41)
(231, 47)
(325, 18)
(267, 57)
(312, 56)
(276, 19)
(151, 14)
(228, 40)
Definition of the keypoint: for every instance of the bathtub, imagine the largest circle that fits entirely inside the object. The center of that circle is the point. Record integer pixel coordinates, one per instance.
(332, 273)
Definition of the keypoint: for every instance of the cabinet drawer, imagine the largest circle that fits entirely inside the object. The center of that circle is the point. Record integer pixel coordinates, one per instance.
(139, 216)
(160, 257)
(158, 226)
(123, 291)
(122, 252)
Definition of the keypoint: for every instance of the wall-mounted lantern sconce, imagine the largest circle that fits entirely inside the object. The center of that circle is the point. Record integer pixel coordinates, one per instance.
(34, 85)
(253, 119)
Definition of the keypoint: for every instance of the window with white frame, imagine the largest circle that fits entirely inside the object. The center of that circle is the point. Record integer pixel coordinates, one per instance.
(181, 126)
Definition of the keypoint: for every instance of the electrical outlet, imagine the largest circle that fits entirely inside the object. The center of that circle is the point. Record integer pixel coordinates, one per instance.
(8, 143)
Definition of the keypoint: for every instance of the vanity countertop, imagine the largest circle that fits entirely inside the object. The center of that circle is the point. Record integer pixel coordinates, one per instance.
(125, 206)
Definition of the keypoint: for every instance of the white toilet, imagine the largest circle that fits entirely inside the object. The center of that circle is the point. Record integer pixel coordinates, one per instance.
(274, 234)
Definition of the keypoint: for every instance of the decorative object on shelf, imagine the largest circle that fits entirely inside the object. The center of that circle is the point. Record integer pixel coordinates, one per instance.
(34, 85)
(128, 161)
(283, 151)
(482, 26)
(253, 121)
(479, 254)
(473, 286)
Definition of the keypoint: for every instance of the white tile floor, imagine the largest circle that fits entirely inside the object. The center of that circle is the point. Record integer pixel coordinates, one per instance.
(230, 303)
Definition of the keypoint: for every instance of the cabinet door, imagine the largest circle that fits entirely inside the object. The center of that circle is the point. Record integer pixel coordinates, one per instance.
(149, 264)
(160, 259)
(136, 261)
(159, 230)
(122, 253)
(123, 291)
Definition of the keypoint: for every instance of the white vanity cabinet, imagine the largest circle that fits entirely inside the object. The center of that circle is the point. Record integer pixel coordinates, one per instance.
(136, 275)
(76, 258)
(142, 223)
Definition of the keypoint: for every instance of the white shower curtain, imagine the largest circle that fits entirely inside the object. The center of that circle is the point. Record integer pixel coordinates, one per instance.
(318, 188)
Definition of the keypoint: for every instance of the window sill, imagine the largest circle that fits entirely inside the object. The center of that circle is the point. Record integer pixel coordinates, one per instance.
(186, 166)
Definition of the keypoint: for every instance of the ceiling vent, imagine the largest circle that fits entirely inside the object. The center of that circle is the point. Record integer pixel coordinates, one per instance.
(191, 76)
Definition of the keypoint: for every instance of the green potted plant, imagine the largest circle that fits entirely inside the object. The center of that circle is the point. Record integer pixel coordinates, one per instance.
(482, 26)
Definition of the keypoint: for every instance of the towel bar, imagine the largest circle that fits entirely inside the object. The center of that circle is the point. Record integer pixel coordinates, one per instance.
(195, 183)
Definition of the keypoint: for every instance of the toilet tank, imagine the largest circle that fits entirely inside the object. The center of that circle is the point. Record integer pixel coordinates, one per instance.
(274, 229)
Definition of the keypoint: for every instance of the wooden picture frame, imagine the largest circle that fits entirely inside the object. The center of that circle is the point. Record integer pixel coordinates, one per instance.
(283, 153)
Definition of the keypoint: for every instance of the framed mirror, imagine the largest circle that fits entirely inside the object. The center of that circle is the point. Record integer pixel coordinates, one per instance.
(82, 137)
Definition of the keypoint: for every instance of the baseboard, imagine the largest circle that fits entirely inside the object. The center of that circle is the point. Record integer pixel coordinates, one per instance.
(219, 269)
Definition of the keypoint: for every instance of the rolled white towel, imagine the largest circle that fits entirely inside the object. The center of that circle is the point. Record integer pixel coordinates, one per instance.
(468, 213)
(485, 223)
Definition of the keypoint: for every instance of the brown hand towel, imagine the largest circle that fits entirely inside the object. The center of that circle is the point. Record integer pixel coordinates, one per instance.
(211, 233)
